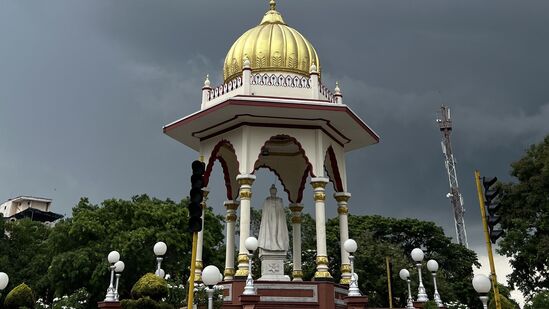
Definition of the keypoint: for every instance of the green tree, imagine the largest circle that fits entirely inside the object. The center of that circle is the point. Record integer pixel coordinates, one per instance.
(539, 301)
(379, 237)
(132, 227)
(525, 220)
(25, 256)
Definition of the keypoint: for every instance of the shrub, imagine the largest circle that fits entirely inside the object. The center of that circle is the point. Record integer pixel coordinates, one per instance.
(20, 296)
(151, 286)
(144, 303)
(430, 305)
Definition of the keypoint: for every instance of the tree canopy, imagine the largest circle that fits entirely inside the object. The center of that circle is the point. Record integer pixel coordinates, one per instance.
(525, 220)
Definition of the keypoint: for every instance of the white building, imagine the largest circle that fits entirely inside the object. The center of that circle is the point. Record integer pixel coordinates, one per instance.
(35, 208)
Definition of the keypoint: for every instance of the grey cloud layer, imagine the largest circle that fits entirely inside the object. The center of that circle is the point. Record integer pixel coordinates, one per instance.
(86, 86)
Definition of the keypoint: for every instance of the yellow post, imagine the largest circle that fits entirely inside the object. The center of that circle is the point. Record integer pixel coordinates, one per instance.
(190, 295)
(488, 243)
(389, 282)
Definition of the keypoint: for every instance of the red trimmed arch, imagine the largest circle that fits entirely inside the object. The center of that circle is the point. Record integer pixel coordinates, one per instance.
(226, 174)
(335, 175)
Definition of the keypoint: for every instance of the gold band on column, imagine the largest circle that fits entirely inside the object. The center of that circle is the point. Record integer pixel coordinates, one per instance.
(322, 274)
(297, 274)
(198, 271)
(345, 274)
(229, 272)
(242, 269)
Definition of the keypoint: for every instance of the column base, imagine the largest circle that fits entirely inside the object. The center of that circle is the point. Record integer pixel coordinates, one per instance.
(323, 276)
(356, 302)
(109, 304)
(297, 275)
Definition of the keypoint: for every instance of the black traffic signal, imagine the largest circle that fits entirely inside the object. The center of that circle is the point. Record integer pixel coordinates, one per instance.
(196, 196)
(491, 202)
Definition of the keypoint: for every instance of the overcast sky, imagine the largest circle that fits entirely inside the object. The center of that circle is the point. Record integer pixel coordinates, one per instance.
(86, 86)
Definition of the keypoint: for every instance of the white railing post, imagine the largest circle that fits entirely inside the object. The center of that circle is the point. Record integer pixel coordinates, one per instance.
(246, 77)
(337, 94)
(206, 89)
(315, 82)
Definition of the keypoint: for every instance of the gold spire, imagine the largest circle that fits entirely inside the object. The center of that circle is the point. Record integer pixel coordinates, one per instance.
(272, 46)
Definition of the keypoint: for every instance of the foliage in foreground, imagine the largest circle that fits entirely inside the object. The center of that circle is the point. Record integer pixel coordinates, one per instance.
(20, 296)
(151, 286)
(525, 220)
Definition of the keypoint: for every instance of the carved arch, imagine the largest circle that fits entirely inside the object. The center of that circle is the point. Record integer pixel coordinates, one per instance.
(226, 155)
(332, 170)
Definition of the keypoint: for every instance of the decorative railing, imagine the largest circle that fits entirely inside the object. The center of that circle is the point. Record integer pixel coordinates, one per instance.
(266, 79)
(327, 93)
(225, 88)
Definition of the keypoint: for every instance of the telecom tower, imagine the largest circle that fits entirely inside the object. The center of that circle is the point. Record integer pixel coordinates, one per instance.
(445, 124)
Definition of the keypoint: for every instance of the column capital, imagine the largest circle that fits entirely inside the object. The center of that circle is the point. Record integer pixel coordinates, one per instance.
(295, 207)
(230, 205)
(342, 196)
(319, 182)
(245, 179)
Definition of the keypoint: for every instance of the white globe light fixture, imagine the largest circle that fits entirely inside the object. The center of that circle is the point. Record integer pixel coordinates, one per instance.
(251, 245)
(118, 269)
(4, 280)
(350, 246)
(113, 257)
(405, 275)
(159, 250)
(482, 285)
(418, 255)
(432, 266)
(211, 276)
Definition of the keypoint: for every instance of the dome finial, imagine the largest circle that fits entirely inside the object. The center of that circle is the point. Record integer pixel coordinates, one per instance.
(272, 3)
(207, 81)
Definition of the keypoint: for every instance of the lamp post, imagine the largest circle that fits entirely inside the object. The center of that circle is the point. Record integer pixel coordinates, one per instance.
(251, 245)
(417, 256)
(350, 246)
(4, 280)
(211, 276)
(432, 266)
(405, 275)
(159, 249)
(482, 285)
(113, 257)
(118, 269)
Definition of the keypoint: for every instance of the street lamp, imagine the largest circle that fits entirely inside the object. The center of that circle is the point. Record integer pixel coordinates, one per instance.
(4, 280)
(405, 275)
(118, 269)
(113, 257)
(432, 266)
(417, 256)
(210, 277)
(159, 249)
(251, 245)
(350, 246)
(482, 285)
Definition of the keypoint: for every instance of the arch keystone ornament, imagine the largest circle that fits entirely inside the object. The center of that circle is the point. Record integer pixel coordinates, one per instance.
(272, 111)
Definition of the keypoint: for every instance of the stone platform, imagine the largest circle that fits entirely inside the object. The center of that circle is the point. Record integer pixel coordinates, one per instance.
(282, 295)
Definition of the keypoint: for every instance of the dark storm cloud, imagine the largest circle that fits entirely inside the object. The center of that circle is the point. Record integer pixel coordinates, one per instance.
(85, 88)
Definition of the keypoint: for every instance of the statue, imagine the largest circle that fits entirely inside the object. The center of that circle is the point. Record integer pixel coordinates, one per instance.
(273, 232)
(273, 238)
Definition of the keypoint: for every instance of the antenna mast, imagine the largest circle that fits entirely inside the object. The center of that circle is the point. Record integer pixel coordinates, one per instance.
(445, 124)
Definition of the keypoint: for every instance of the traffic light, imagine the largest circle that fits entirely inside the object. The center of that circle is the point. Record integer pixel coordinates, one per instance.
(196, 196)
(491, 202)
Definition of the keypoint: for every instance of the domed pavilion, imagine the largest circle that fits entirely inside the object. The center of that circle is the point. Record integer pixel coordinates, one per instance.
(272, 111)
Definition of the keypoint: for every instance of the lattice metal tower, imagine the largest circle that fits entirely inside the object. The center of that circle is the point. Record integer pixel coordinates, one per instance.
(445, 124)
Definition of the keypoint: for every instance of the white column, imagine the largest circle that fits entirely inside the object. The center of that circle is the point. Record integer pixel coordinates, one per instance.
(343, 210)
(319, 197)
(246, 76)
(315, 82)
(198, 264)
(206, 92)
(296, 209)
(245, 181)
(230, 220)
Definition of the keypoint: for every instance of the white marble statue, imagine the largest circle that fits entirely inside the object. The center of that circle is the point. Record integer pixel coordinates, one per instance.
(273, 239)
(273, 232)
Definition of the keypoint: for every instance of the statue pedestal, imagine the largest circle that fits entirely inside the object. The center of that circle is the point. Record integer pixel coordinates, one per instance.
(272, 265)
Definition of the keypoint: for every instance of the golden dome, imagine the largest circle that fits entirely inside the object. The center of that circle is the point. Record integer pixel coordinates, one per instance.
(271, 46)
